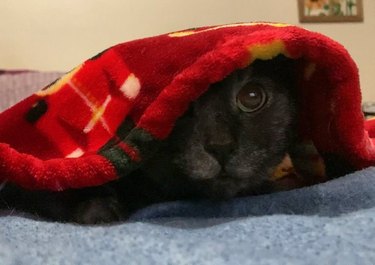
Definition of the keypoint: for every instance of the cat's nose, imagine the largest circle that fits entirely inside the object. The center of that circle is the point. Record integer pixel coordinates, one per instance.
(220, 149)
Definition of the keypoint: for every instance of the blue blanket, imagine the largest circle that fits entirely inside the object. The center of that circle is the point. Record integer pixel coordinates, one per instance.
(330, 223)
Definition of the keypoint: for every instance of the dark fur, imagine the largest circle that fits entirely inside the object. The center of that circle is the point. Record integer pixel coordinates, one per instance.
(215, 151)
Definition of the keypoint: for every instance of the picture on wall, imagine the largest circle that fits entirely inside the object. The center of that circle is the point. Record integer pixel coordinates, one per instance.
(330, 10)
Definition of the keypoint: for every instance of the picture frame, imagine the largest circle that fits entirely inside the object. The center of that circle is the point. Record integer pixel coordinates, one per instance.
(330, 11)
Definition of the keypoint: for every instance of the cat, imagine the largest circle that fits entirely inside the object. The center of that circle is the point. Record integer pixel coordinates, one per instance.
(227, 144)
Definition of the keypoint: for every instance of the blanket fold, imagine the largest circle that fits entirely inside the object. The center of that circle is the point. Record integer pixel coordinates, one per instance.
(99, 121)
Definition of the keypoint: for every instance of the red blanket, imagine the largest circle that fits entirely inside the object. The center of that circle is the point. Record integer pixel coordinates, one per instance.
(102, 119)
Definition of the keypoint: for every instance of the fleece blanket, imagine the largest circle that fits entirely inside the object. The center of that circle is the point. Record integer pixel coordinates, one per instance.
(329, 223)
(147, 84)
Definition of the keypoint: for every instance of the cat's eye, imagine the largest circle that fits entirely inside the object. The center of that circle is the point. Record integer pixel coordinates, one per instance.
(251, 97)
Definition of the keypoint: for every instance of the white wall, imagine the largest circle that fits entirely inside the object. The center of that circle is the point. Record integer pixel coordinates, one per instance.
(57, 35)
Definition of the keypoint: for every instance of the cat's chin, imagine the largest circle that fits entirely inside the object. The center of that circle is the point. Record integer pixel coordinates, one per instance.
(221, 188)
(224, 187)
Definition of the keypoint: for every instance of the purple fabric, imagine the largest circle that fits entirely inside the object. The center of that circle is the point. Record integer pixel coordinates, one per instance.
(16, 85)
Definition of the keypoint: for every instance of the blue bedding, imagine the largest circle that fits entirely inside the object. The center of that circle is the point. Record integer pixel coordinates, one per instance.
(329, 223)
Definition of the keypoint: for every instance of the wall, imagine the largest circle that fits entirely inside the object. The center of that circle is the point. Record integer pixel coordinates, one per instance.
(57, 35)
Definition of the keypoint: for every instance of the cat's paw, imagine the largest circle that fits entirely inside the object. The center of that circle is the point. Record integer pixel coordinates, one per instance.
(99, 211)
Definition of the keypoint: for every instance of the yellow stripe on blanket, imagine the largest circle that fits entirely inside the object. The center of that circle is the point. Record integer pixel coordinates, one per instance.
(58, 84)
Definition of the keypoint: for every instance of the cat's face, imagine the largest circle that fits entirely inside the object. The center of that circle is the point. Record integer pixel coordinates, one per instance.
(235, 134)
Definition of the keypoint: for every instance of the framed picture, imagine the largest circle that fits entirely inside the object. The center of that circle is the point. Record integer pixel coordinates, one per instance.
(330, 10)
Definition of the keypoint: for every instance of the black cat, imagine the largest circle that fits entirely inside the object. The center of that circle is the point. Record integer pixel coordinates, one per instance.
(226, 145)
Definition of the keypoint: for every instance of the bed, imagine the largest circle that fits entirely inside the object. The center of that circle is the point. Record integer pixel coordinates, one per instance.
(328, 223)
